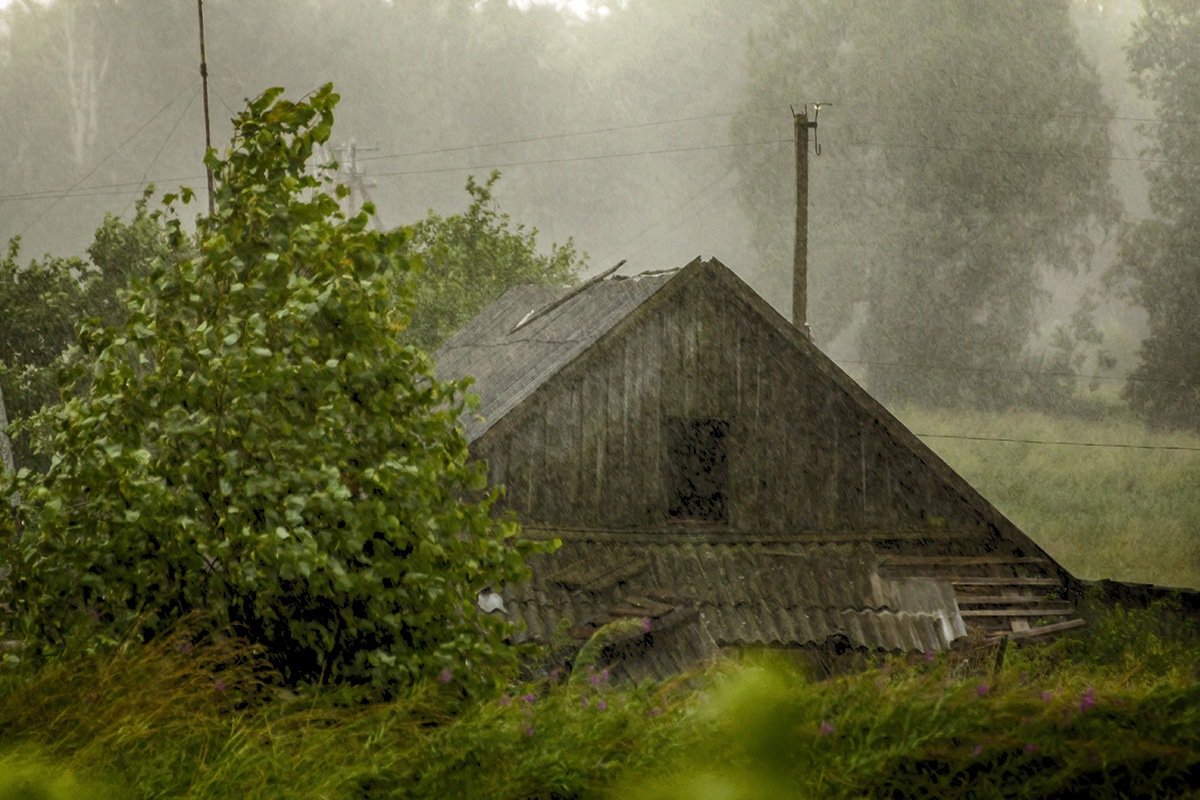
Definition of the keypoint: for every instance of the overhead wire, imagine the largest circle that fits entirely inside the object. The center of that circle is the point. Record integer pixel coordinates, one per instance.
(162, 146)
(1057, 443)
(964, 370)
(564, 134)
(77, 190)
(109, 155)
(74, 190)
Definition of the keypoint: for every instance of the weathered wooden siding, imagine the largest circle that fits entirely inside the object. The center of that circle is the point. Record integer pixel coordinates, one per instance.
(587, 448)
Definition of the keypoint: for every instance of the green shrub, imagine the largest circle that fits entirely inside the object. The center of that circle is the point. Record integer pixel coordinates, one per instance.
(256, 441)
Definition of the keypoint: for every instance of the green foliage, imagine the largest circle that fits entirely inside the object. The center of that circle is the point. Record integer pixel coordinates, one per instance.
(1161, 256)
(963, 155)
(188, 717)
(1042, 727)
(45, 300)
(27, 777)
(256, 441)
(470, 259)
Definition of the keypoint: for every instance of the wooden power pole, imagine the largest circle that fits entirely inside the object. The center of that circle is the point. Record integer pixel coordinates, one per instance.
(802, 126)
(207, 126)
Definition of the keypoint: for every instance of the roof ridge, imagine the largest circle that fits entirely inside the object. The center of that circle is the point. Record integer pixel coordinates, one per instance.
(553, 304)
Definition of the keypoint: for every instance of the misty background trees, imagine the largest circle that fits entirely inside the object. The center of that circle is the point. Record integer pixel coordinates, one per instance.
(1161, 255)
(966, 157)
(975, 163)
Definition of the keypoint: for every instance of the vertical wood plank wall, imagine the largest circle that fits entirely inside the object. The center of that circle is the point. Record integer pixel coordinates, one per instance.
(587, 448)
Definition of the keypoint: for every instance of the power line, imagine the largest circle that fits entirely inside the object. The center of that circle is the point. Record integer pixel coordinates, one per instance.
(964, 370)
(573, 159)
(102, 161)
(37, 194)
(567, 134)
(667, 216)
(162, 146)
(1081, 155)
(1007, 440)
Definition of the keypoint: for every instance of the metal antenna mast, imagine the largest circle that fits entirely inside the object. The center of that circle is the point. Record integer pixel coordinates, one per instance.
(207, 126)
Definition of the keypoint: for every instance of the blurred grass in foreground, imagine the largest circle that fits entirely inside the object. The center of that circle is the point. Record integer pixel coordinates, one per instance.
(1113, 712)
(1125, 514)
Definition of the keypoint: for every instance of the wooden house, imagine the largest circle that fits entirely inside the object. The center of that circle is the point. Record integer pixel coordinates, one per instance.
(718, 481)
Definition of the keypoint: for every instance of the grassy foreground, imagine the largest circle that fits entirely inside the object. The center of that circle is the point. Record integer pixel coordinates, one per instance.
(1122, 513)
(1114, 713)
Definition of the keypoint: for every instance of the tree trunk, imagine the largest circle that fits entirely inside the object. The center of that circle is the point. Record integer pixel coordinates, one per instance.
(6, 452)
(86, 69)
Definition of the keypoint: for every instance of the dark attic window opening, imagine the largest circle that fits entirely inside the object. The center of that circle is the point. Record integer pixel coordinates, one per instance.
(697, 469)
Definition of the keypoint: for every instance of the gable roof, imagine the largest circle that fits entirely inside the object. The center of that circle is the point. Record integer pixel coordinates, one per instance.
(530, 333)
(732, 590)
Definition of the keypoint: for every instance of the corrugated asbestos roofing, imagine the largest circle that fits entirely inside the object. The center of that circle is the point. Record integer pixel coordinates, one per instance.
(745, 594)
(509, 360)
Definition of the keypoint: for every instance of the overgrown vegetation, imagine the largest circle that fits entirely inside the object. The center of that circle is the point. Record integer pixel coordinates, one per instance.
(1105, 512)
(1112, 713)
(254, 440)
(45, 300)
(470, 259)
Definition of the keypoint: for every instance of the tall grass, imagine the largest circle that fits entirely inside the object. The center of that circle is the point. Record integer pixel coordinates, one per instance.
(1126, 514)
(1113, 713)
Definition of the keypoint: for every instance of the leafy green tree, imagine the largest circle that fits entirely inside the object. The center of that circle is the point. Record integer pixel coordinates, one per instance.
(45, 300)
(1161, 256)
(965, 153)
(255, 440)
(470, 259)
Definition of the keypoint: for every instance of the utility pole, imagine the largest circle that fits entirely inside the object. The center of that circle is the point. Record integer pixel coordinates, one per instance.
(207, 127)
(802, 125)
(354, 178)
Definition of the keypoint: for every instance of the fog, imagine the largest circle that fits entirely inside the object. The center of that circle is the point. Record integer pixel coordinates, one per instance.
(648, 130)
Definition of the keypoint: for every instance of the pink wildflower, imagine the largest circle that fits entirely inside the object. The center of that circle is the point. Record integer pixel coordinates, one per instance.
(827, 728)
(1030, 747)
(930, 656)
(1088, 700)
(527, 730)
(219, 686)
(529, 698)
(601, 705)
(977, 750)
(646, 624)
(445, 676)
(1047, 696)
(982, 690)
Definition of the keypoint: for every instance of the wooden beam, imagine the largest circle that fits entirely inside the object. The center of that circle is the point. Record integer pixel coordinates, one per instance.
(1046, 630)
(1015, 581)
(1017, 612)
(999, 599)
(959, 561)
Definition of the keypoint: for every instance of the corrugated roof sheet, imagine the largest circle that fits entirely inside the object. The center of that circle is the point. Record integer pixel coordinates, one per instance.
(746, 593)
(510, 360)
